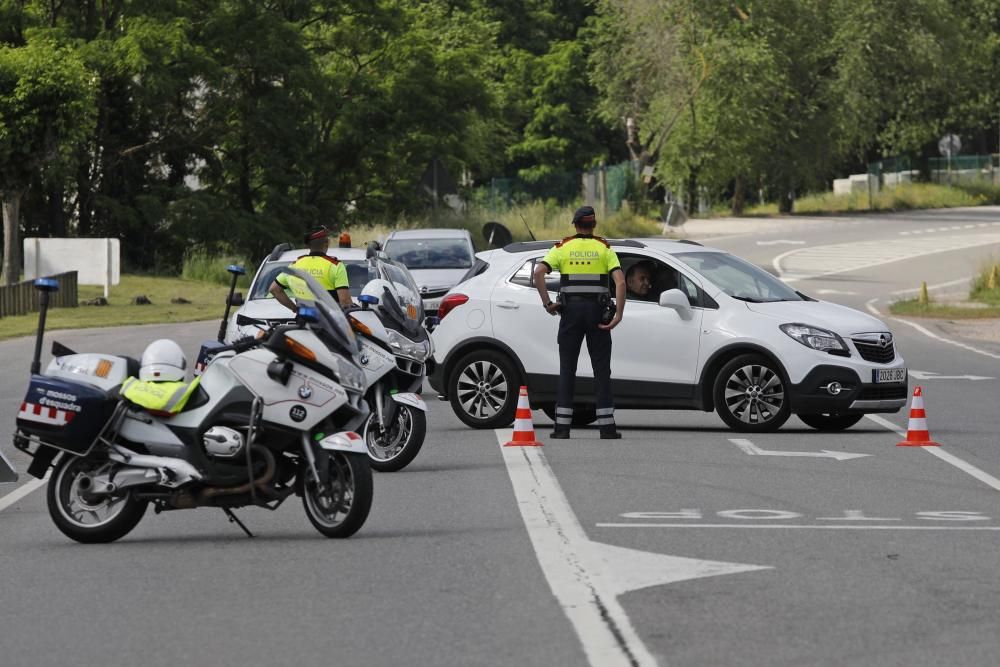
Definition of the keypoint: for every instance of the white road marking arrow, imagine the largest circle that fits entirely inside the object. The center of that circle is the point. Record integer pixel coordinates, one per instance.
(587, 577)
(931, 375)
(781, 242)
(754, 450)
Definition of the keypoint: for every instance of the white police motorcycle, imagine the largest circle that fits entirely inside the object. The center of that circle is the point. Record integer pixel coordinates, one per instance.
(394, 349)
(271, 417)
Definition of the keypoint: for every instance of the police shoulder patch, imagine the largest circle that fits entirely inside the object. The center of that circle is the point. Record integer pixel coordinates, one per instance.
(568, 238)
(332, 260)
(602, 240)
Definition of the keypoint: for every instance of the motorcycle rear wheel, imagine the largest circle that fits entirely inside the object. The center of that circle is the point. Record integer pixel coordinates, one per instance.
(341, 508)
(392, 450)
(86, 519)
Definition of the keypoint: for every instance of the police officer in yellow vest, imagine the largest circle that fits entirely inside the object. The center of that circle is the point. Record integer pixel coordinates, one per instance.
(160, 387)
(586, 264)
(328, 272)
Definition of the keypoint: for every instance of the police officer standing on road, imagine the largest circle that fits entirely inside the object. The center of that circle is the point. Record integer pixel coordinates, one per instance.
(328, 272)
(586, 263)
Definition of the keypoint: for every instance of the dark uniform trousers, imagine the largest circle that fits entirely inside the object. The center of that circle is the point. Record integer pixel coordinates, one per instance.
(579, 320)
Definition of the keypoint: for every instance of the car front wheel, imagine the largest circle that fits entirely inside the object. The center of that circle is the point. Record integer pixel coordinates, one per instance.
(750, 394)
(483, 389)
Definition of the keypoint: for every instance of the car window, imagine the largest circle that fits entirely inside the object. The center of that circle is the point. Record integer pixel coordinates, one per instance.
(430, 253)
(524, 274)
(357, 277)
(738, 278)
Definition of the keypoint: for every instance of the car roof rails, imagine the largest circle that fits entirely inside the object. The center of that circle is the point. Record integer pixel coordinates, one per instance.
(525, 246)
(278, 250)
(690, 242)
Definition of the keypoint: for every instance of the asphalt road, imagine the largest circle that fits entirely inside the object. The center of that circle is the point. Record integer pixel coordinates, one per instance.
(672, 546)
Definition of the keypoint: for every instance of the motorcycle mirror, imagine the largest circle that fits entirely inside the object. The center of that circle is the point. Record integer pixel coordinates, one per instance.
(236, 299)
(496, 235)
(373, 249)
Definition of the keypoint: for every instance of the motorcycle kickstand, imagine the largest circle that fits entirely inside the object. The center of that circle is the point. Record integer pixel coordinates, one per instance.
(233, 519)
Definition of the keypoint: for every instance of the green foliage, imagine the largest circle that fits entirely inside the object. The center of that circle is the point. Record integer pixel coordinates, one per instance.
(200, 265)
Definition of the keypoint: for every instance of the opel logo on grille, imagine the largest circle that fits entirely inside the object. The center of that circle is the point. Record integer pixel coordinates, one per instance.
(424, 290)
(884, 341)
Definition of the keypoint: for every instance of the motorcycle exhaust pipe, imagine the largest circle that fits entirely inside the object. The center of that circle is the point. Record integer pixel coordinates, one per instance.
(216, 491)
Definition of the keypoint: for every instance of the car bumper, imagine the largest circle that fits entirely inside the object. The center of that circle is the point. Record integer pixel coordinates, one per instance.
(435, 376)
(812, 394)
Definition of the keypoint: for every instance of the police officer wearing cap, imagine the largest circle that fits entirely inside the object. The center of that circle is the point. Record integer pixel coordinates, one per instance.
(328, 271)
(586, 264)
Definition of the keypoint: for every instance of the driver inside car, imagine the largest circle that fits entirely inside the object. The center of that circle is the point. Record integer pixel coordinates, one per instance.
(639, 282)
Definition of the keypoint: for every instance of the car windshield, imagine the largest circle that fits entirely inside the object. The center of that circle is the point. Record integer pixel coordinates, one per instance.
(402, 303)
(357, 276)
(331, 319)
(737, 278)
(430, 253)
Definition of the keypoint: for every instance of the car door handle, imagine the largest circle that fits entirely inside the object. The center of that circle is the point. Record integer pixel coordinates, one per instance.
(508, 305)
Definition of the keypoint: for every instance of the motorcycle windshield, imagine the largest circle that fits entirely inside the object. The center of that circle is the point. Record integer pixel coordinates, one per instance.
(401, 298)
(331, 318)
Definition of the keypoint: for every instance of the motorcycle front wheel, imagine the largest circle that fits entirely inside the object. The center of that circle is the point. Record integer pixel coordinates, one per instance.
(84, 517)
(339, 508)
(392, 449)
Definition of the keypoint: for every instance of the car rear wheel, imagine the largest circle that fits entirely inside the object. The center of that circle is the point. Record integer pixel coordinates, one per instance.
(750, 394)
(483, 388)
(830, 422)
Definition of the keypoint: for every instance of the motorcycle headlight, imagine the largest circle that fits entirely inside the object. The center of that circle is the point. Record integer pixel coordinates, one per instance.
(350, 376)
(816, 338)
(400, 344)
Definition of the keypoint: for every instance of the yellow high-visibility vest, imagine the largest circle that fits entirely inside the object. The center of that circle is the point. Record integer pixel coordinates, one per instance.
(167, 398)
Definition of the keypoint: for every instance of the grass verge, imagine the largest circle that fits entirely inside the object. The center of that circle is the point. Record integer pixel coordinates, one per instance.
(207, 302)
(983, 303)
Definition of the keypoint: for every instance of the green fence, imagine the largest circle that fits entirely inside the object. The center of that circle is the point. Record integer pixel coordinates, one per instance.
(500, 194)
(964, 169)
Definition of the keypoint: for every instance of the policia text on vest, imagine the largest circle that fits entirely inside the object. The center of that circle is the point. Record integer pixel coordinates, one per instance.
(586, 264)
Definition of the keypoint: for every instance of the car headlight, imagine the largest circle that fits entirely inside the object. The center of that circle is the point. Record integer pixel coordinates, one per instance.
(400, 344)
(816, 338)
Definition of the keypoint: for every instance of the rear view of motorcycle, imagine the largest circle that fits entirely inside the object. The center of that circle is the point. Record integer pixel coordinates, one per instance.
(394, 349)
(268, 418)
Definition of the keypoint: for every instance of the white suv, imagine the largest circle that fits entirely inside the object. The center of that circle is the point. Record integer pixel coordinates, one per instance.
(718, 333)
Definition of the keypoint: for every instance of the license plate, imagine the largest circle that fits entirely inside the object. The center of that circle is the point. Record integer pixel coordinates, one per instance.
(889, 375)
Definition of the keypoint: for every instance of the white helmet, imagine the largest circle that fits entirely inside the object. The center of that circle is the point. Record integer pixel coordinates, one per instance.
(163, 361)
(376, 288)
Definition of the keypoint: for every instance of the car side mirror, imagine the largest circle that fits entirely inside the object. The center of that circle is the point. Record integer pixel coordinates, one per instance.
(676, 300)
(236, 299)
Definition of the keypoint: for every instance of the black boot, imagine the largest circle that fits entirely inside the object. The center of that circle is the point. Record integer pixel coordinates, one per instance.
(610, 434)
(560, 434)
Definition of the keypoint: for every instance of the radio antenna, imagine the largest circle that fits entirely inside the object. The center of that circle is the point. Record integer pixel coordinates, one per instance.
(526, 226)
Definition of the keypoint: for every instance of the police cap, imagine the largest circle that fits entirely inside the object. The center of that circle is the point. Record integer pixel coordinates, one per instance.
(316, 233)
(584, 217)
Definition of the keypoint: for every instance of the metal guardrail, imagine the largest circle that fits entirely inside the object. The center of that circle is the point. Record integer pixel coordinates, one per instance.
(22, 298)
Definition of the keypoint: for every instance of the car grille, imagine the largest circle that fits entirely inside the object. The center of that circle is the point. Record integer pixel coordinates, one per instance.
(433, 294)
(876, 393)
(875, 353)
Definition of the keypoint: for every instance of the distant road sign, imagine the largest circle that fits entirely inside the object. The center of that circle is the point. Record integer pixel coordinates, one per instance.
(949, 145)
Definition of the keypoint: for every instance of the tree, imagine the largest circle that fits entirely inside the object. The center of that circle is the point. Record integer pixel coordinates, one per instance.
(46, 109)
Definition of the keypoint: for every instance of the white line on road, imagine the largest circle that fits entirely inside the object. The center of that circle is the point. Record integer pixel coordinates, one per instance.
(930, 334)
(787, 526)
(587, 577)
(947, 457)
(931, 288)
(21, 492)
(562, 549)
(781, 242)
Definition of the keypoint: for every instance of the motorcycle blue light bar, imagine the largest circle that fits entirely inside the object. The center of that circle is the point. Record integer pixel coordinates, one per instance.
(369, 299)
(308, 313)
(236, 268)
(47, 284)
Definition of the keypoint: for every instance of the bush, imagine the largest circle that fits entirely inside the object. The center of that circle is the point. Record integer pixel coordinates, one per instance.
(204, 267)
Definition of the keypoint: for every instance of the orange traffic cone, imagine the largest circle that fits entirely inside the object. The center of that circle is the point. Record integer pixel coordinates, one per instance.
(524, 430)
(917, 434)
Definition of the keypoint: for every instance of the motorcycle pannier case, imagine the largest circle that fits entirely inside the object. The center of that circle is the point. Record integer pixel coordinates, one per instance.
(65, 414)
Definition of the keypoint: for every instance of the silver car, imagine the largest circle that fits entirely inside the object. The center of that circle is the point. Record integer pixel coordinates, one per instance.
(438, 259)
